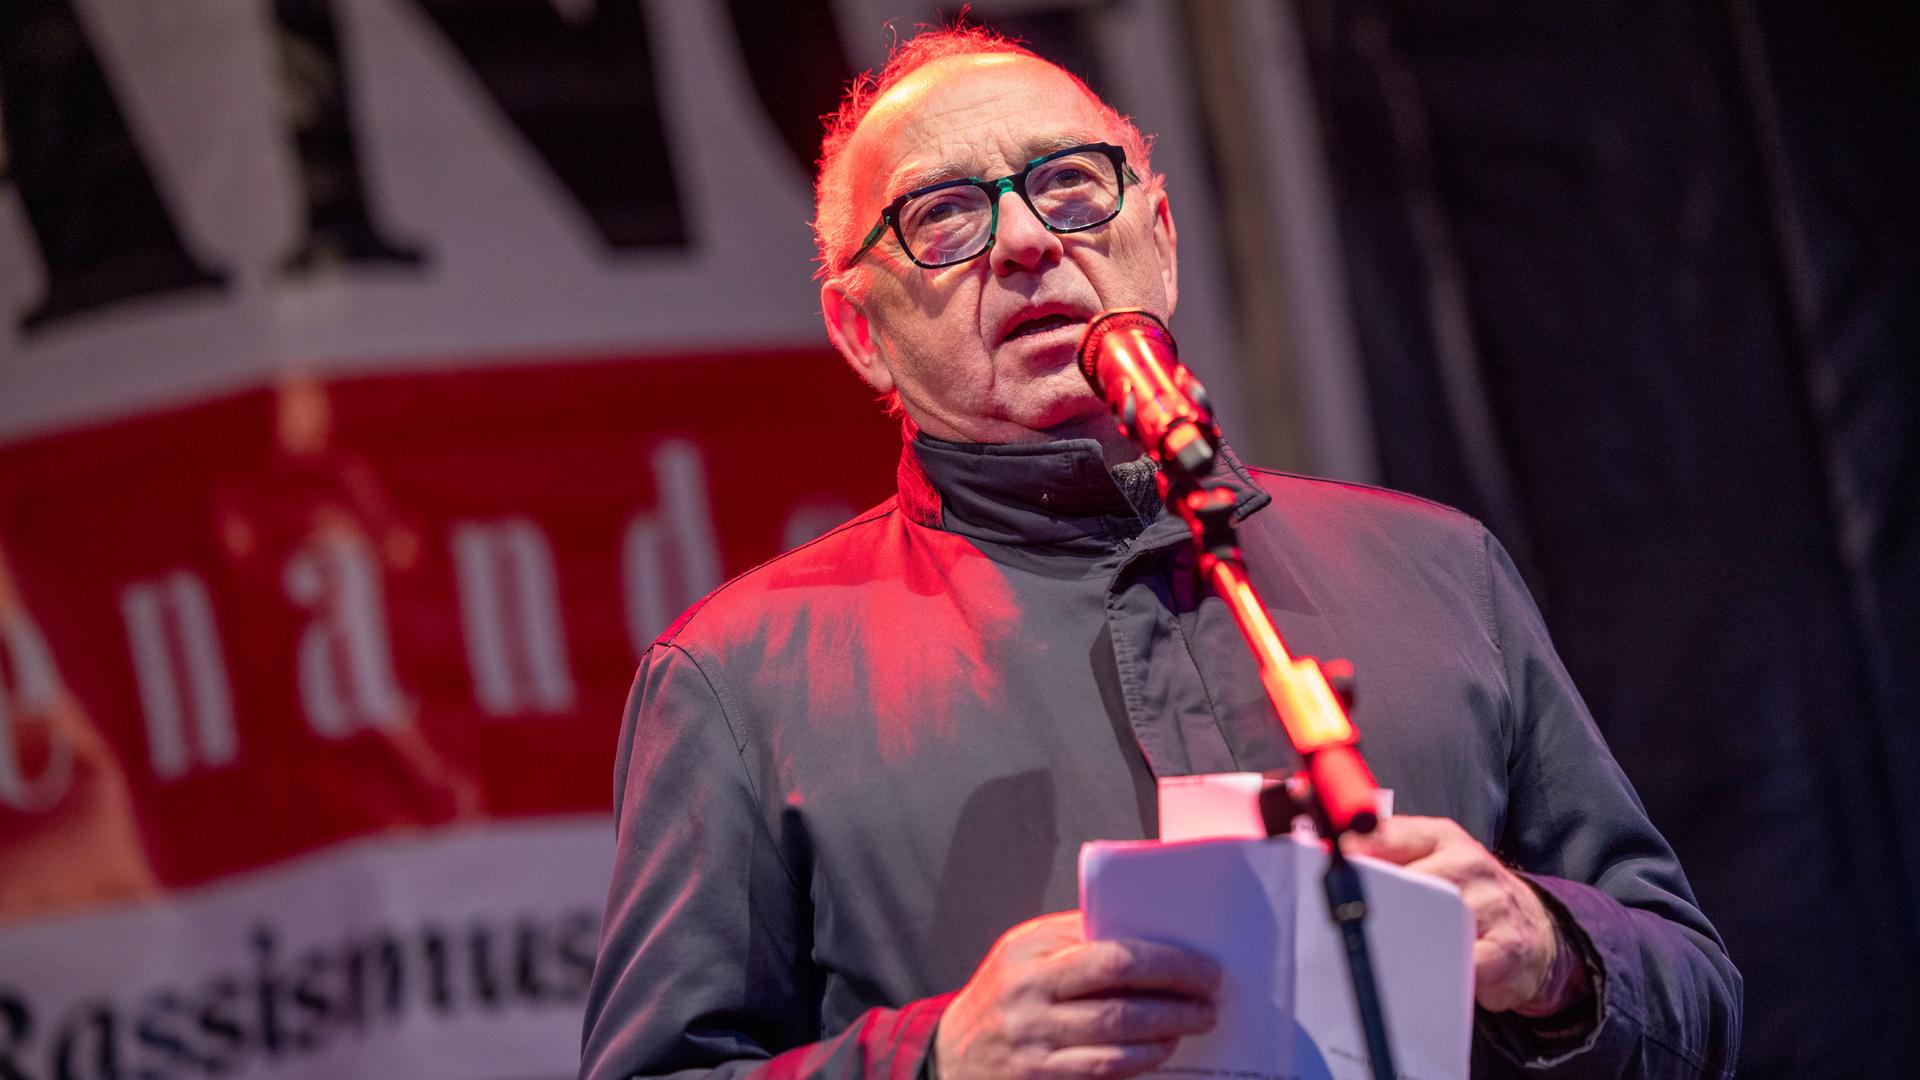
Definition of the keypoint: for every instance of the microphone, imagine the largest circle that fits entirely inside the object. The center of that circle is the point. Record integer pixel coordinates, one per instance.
(1130, 360)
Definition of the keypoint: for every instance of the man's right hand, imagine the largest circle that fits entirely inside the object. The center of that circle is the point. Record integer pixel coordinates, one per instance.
(1046, 1002)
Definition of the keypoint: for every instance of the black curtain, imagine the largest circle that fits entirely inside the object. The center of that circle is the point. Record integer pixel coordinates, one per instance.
(1636, 283)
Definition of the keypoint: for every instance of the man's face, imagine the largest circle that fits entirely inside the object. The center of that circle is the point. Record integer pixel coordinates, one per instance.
(984, 351)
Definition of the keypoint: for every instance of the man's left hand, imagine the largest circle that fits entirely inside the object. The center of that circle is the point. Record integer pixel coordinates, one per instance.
(1520, 962)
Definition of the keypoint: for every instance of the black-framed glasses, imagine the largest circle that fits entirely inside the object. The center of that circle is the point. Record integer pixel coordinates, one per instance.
(1071, 190)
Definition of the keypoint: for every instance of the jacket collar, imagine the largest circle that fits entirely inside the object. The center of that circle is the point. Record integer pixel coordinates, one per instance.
(1036, 494)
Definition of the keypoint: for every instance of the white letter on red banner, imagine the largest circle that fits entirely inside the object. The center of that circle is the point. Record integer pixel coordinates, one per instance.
(34, 693)
(345, 661)
(678, 535)
(171, 633)
(510, 613)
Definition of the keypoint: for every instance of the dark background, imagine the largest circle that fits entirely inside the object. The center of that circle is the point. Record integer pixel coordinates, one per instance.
(1678, 242)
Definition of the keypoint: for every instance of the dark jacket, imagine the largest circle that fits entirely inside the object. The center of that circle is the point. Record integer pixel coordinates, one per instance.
(847, 771)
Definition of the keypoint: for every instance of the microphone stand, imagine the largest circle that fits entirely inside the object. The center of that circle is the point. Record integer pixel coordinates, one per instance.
(1164, 409)
(1311, 698)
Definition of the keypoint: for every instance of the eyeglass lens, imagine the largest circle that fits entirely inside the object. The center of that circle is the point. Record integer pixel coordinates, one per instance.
(956, 223)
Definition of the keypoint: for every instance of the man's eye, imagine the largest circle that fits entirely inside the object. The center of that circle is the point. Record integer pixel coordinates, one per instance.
(1066, 174)
(940, 210)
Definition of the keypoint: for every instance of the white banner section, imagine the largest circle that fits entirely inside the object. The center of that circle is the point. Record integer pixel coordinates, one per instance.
(463, 953)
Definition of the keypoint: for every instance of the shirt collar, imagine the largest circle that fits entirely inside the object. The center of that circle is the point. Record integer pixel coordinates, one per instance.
(1051, 493)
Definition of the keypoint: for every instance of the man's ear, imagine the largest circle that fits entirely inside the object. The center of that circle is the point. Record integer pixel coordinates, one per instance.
(1166, 241)
(851, 333)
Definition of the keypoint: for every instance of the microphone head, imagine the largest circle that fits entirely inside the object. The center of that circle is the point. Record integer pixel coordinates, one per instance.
(1110, 321)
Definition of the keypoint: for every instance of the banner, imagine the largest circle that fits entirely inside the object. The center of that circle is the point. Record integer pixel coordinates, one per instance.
(366, 408)
(377, 379)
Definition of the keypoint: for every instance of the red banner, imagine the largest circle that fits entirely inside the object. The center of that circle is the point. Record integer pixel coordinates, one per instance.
(297, 615)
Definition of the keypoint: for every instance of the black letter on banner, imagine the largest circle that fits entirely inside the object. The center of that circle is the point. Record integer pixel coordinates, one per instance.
(315, 88)
(71, 1060)
(17, 1019)
(585, 97)
(104, 234)
(797, 66)
(799, 69)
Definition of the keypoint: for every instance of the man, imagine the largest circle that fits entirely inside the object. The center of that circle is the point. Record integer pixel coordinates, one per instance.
(854, 780)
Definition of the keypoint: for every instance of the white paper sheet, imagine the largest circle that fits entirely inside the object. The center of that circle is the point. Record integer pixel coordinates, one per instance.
(1286, 1001)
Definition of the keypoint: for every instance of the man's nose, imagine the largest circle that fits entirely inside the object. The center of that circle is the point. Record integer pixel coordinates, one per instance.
(1021, 243)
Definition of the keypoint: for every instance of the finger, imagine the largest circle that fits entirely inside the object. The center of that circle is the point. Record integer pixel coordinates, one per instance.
(1403, 838)
(1491, 907)
(1465, 865)
(1126, 1018)
(1502, 975)
(1120, 964)
(1497, 958)
(1043, 935)
(1496, 899)
(1108, 1060)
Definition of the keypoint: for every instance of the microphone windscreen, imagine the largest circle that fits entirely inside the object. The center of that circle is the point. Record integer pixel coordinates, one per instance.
(1110, 322)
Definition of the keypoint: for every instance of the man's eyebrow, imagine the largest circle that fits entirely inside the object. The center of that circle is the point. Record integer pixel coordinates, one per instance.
(901, 183)
(1043, 147)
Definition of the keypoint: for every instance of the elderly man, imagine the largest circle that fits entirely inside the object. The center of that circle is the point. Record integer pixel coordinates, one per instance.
(854, 780)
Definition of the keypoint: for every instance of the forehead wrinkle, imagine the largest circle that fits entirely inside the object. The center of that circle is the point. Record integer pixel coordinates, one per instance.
(906, 109)
(911, 179)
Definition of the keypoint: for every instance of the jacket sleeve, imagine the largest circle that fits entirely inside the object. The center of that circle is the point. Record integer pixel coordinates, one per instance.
(1667, 998)
(704, 965)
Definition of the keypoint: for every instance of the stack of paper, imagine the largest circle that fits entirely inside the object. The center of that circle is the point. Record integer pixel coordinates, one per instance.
(1286, 1001)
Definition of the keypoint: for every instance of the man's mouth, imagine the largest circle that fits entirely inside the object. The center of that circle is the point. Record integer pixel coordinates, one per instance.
(1041, 325)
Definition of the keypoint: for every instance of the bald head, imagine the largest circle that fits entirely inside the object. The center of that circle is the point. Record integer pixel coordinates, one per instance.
(879, 108)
